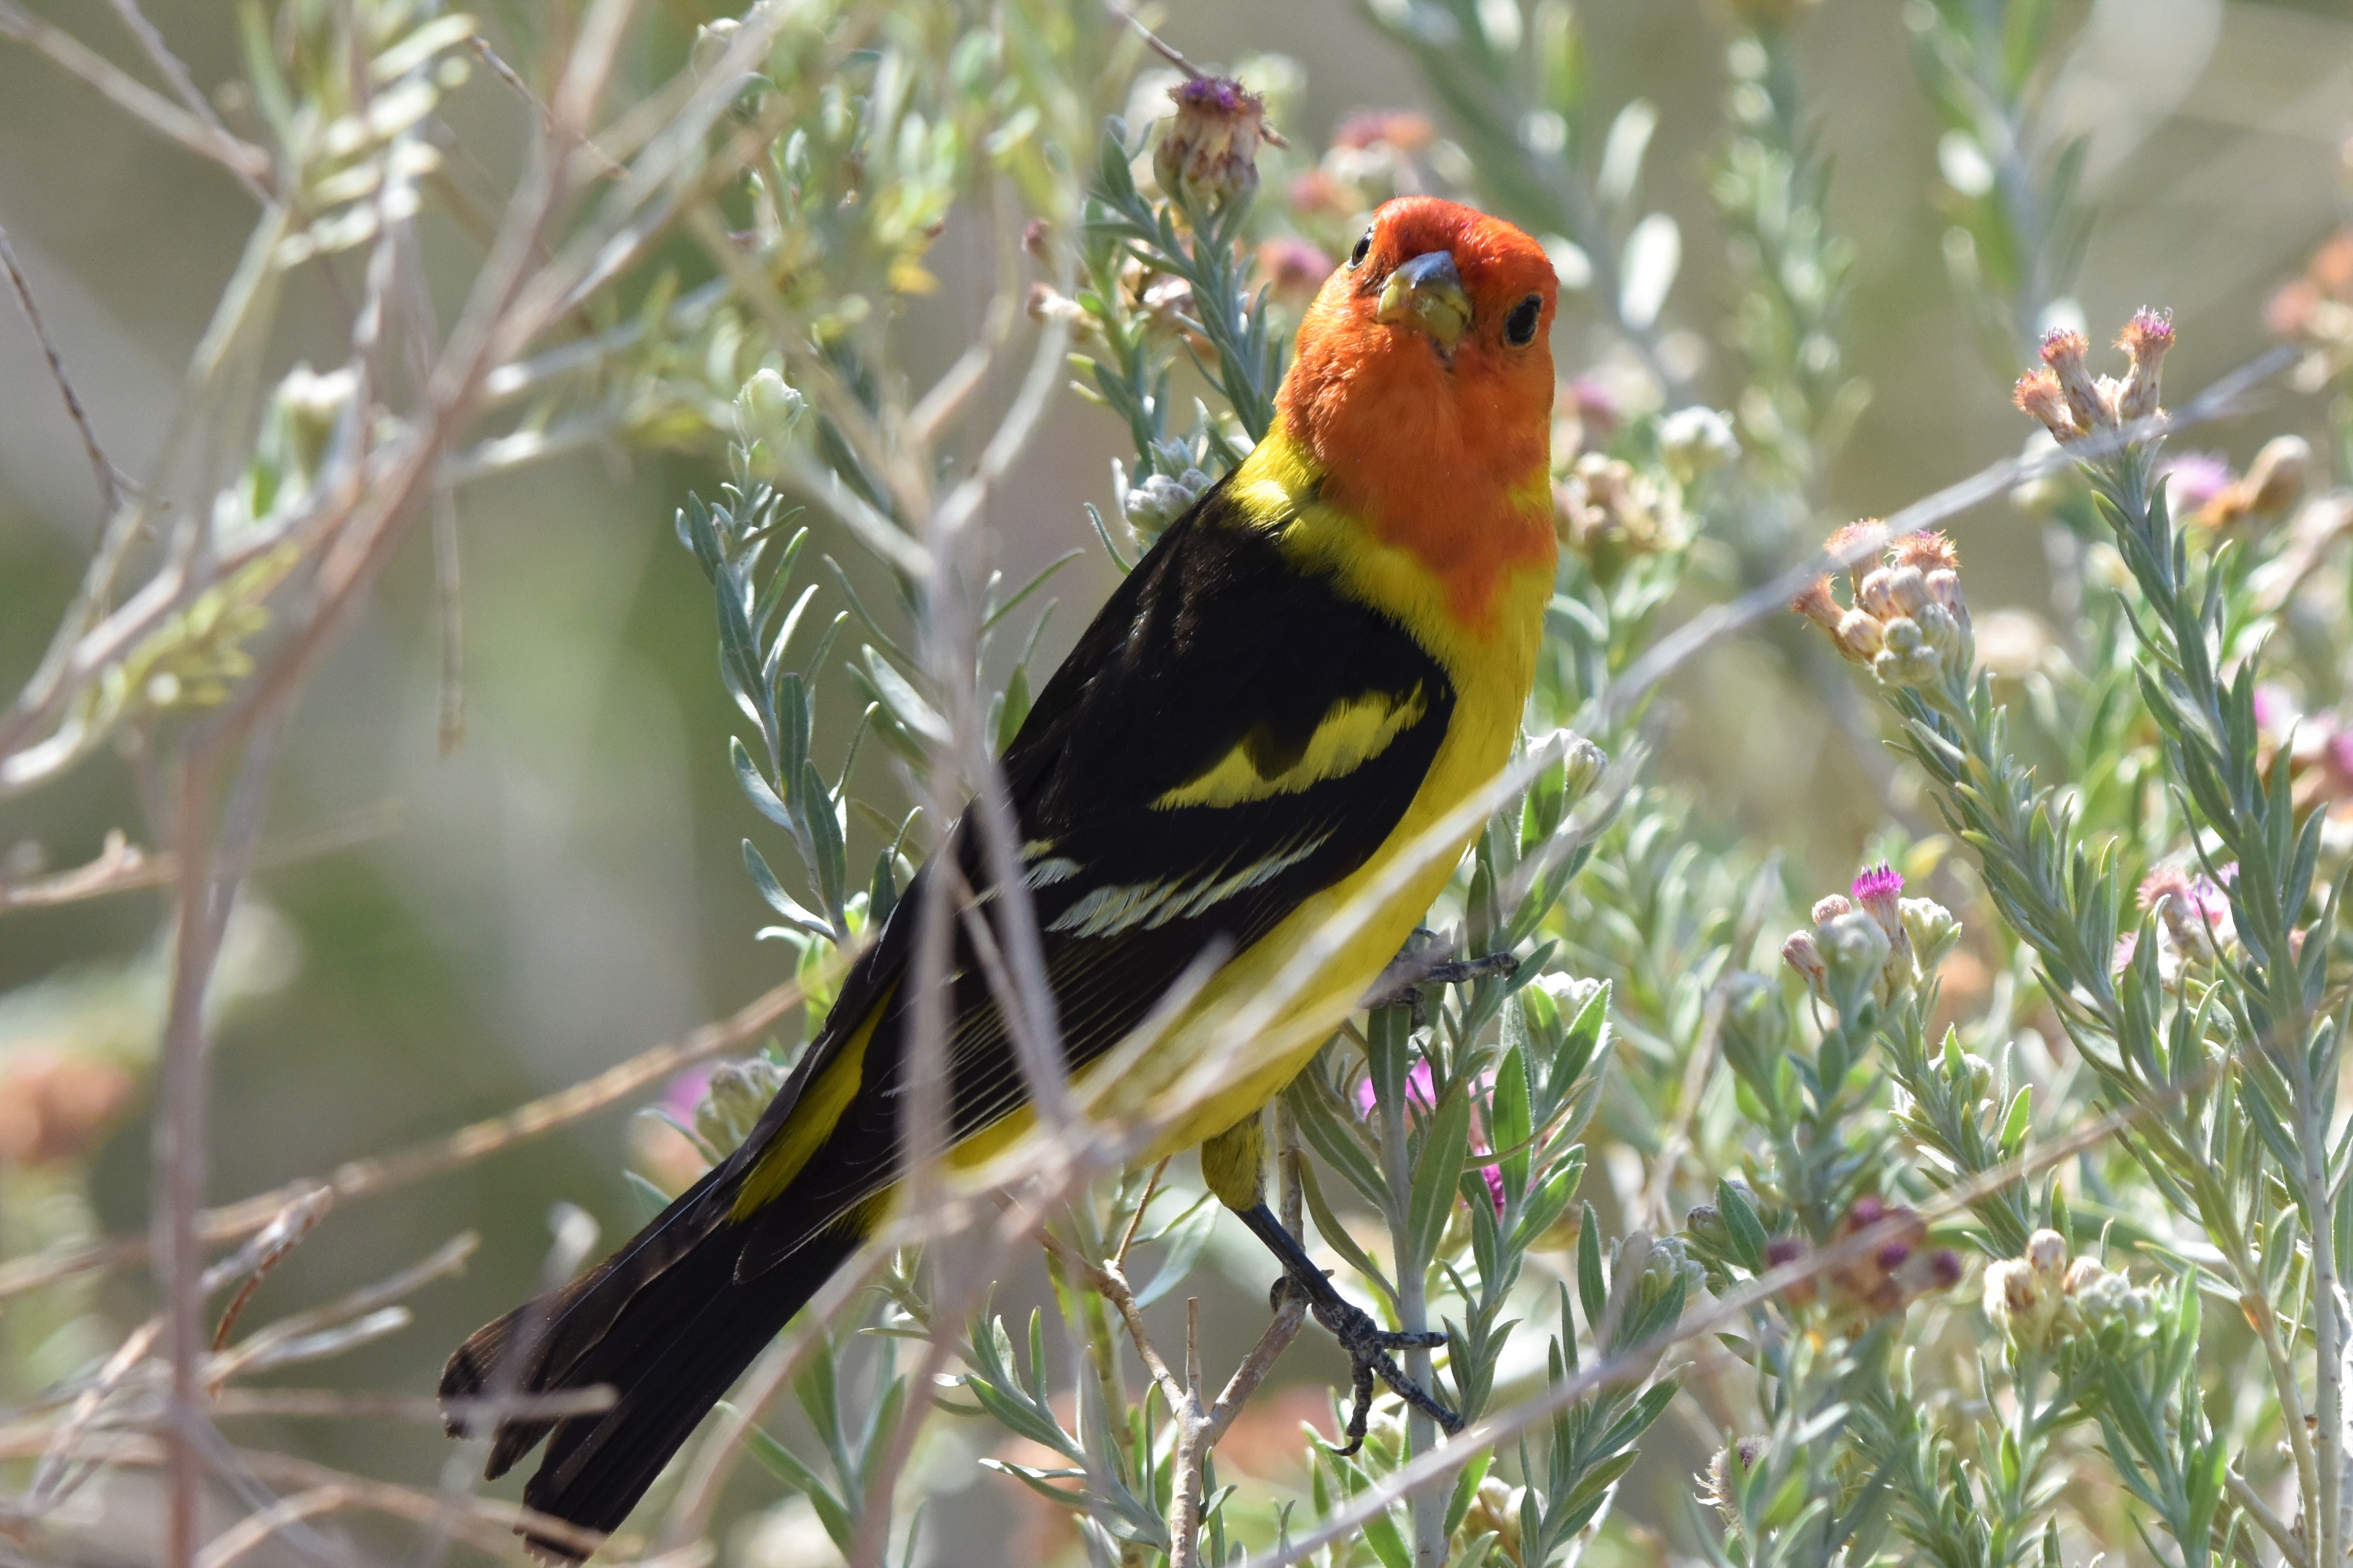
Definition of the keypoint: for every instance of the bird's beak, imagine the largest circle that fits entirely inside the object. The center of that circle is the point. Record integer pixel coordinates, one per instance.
(1427, 294)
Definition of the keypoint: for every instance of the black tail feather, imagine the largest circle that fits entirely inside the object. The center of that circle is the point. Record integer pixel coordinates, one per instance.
(666, 1324)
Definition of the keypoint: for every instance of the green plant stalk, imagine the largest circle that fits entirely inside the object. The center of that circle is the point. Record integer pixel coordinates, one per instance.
(1392, 1027)
(2256, 825)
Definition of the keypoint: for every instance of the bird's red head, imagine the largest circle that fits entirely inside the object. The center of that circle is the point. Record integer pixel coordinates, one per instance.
(1423, 385)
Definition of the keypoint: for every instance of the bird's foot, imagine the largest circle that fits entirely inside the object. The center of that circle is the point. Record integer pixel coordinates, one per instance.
(1367, 1343)
(1420, 963)
(1369, 1346)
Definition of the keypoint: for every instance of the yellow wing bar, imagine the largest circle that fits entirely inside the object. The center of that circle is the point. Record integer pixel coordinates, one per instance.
(1352, 732)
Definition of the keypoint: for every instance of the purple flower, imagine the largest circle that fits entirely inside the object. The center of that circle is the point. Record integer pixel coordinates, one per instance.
(2193, 479)
(1420, 1091)
(1880, 881)
(2275, 708)
(1421, 1095)
(684, 1093)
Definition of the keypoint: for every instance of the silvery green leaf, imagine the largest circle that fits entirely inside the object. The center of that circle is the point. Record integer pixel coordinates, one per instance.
(756, 789)
(1335, 1235)
(1592, 1294)
(784, 903)
(1184, 1240)
(825, 839)
(1445, 1141)
(1748, 1236)
(892, 690)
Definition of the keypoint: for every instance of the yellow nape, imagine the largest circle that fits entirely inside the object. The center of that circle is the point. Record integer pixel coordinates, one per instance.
(1356, 729)
(811, 1121)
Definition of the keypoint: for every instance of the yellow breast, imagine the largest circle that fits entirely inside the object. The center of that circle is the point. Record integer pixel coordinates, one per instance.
(1491, 667)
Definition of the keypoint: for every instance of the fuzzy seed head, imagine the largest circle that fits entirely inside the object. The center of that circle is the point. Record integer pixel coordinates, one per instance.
(2037, 393)
(1210, 150)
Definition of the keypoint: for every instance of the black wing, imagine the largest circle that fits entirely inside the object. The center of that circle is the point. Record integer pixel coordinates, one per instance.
(1230, 737)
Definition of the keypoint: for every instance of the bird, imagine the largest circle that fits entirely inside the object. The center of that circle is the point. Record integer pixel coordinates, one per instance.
(1316, 663)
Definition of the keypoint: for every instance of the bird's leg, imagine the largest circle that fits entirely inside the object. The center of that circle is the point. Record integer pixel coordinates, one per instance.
(1367, 1343)
(1420, 963)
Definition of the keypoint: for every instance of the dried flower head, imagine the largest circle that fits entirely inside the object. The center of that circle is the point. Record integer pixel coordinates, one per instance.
(2270, 489)
(1719, 1484)
(1927, 550)
(1852, 545)
(1208, 153)
(1815, 602)
(1610, 513)
(1800, 953)
(1783, 1251)
(2037, 393)
(2093, 404)
(2146, 338)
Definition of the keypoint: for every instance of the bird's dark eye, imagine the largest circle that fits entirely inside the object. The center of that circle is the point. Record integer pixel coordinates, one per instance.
(1520, 326)
(1364, 248)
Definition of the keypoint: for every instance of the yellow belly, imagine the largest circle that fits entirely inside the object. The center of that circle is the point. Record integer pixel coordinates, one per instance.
(1490, 669)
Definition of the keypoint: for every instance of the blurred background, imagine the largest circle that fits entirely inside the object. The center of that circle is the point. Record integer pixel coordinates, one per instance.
(437, 938)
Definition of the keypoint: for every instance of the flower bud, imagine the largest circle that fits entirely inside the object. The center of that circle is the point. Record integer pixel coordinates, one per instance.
(767, 409)
(1209, 151)
(1694, 440)
(1829, 907)
(1582, 765)
(1871, 593)
(731, 1103)
(1907, 590)
(2046, 1256)
(1931, 928)
(1860, 635)
(2039, 393)
(712, 42)
(1160, 499)
(1854, 954)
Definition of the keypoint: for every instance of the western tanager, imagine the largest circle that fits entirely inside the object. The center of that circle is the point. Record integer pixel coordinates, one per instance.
(1317, 662)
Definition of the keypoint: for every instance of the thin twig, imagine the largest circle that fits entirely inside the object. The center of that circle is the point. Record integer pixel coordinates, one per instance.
(2251, 1502)
(109, 487)
(384, 1173)
(249, 164)
(122, 867)
(175, 71)
(1168, 51)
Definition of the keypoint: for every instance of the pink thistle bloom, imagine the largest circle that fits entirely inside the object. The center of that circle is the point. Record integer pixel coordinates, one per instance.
(2193, 479)
(1880, 881)
(2275, 708)
(1420, 1091)
(684, 1093)
(2126, 945)
(1880, 891)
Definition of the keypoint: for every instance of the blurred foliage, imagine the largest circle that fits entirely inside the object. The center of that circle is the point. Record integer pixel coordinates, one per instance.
(2089, 1063)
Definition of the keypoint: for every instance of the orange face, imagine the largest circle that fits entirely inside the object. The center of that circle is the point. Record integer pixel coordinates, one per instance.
(1423, 384)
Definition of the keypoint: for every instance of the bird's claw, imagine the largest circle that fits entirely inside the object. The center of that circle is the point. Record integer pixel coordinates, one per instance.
(1369, 1346)
(1417, 965)
(1367, 1343)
